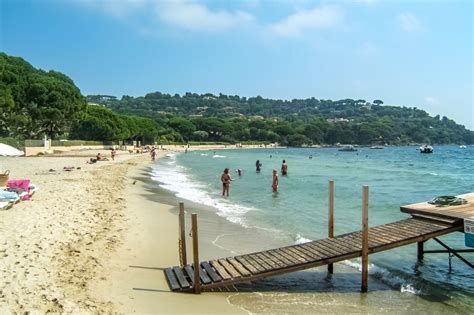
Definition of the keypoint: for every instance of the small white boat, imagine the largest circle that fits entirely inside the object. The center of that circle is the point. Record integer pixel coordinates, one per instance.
(426, 149)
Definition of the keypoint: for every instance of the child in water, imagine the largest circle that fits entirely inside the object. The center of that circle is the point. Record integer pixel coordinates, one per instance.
(275, 181)
(226, 179)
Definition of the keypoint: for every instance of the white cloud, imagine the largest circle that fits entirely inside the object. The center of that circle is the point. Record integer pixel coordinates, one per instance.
(193, 16)
(297, 24)
(409, 22)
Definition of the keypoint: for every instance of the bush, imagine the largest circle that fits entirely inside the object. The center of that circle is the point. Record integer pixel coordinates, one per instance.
(12, 142)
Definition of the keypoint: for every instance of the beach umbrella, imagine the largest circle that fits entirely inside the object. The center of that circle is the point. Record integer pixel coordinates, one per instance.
(6, 150)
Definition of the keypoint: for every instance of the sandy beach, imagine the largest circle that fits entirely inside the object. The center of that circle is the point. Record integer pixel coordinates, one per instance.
(91, 240)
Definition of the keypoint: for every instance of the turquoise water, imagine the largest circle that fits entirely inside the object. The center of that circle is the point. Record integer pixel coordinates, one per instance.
(396, 176)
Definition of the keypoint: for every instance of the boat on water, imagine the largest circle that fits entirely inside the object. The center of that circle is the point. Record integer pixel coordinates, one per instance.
(376, 147)
(426, 149)
(347, 148)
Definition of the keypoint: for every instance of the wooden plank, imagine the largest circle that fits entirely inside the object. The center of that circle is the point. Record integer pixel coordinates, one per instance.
(331, 251)
(282, 258)
(275, 261)
(307, 255)
(254, 263)
(260, 261)
(290, 258)
(220, 270)
(203, 274)
(229, 268)
(212, 274)
(243, 271)
(190, 273)
(316, 254)
(172, 280)
(182, 235)
(289, 253)
(247, 264)
(181, 277)
(316, 246)
(269, 262)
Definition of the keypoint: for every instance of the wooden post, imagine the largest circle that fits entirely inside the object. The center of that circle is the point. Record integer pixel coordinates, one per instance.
(197, 266)
(331, 218)
(365, 238)
(420, 250)
(182, 236)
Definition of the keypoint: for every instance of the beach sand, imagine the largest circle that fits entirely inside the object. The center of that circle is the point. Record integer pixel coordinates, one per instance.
(92, 240)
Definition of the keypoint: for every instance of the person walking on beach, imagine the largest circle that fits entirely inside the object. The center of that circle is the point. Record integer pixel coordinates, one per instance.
(258, 165)
(284, 168)
(113, 153)
(226, 179)
(275, 181)
(153, 153)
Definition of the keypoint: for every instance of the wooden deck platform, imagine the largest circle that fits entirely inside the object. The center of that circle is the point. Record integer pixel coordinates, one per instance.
(245, 268)
(448, 213)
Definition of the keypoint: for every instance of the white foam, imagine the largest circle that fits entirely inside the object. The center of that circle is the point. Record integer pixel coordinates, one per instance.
(215, 156)
(204, 154)
(301, 240)
(174, 178)
(385, 276)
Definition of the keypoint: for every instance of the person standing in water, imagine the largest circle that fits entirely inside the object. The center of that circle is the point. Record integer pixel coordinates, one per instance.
(284, 168)
(258, 165)
(226, 179)
(275, 181)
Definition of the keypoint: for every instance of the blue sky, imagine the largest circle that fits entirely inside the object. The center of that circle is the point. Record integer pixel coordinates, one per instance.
(410, 53)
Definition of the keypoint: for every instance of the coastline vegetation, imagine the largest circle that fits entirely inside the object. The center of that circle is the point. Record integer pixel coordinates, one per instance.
(35, 103)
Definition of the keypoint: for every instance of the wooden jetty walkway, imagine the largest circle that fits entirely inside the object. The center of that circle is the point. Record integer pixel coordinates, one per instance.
(246, 268)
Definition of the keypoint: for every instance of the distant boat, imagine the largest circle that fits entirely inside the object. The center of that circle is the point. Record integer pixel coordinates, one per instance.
(462, 146)
(377, 147)
(426, 149)
(348, 148)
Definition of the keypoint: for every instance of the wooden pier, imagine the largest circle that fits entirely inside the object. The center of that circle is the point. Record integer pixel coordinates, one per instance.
(224, 272)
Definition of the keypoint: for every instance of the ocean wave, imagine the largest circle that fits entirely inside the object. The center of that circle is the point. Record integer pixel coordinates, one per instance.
(215, 156)
(204, 154)
(385, 276)
(301, 240)
(175, 179)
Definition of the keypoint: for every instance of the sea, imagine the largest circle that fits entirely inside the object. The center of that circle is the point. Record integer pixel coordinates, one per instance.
(261, 219)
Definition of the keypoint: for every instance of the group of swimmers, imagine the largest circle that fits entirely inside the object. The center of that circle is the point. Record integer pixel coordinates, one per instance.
(226, 178)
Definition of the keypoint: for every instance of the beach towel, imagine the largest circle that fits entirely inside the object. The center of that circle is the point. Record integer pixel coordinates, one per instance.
(20, 183)
(9, 196)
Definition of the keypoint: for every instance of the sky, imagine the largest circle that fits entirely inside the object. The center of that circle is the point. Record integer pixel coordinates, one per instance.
(406, 53)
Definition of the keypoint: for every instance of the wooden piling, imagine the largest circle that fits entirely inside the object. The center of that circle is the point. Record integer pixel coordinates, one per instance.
(331, 217)
(420, 251)
(365, 238)
(182, 236)
(196, 264)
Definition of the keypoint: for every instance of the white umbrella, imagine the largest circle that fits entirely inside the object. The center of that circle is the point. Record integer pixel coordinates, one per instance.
(6, 150)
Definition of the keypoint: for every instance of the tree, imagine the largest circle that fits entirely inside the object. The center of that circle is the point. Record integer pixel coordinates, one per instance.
(377, 102)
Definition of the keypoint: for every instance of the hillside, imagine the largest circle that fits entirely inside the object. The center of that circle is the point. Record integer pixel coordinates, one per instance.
(306, 120)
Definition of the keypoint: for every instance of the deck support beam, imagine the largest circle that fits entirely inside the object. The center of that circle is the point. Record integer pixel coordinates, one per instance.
(365, 238)
(331, 218)
(182, 236)
(196, 264)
